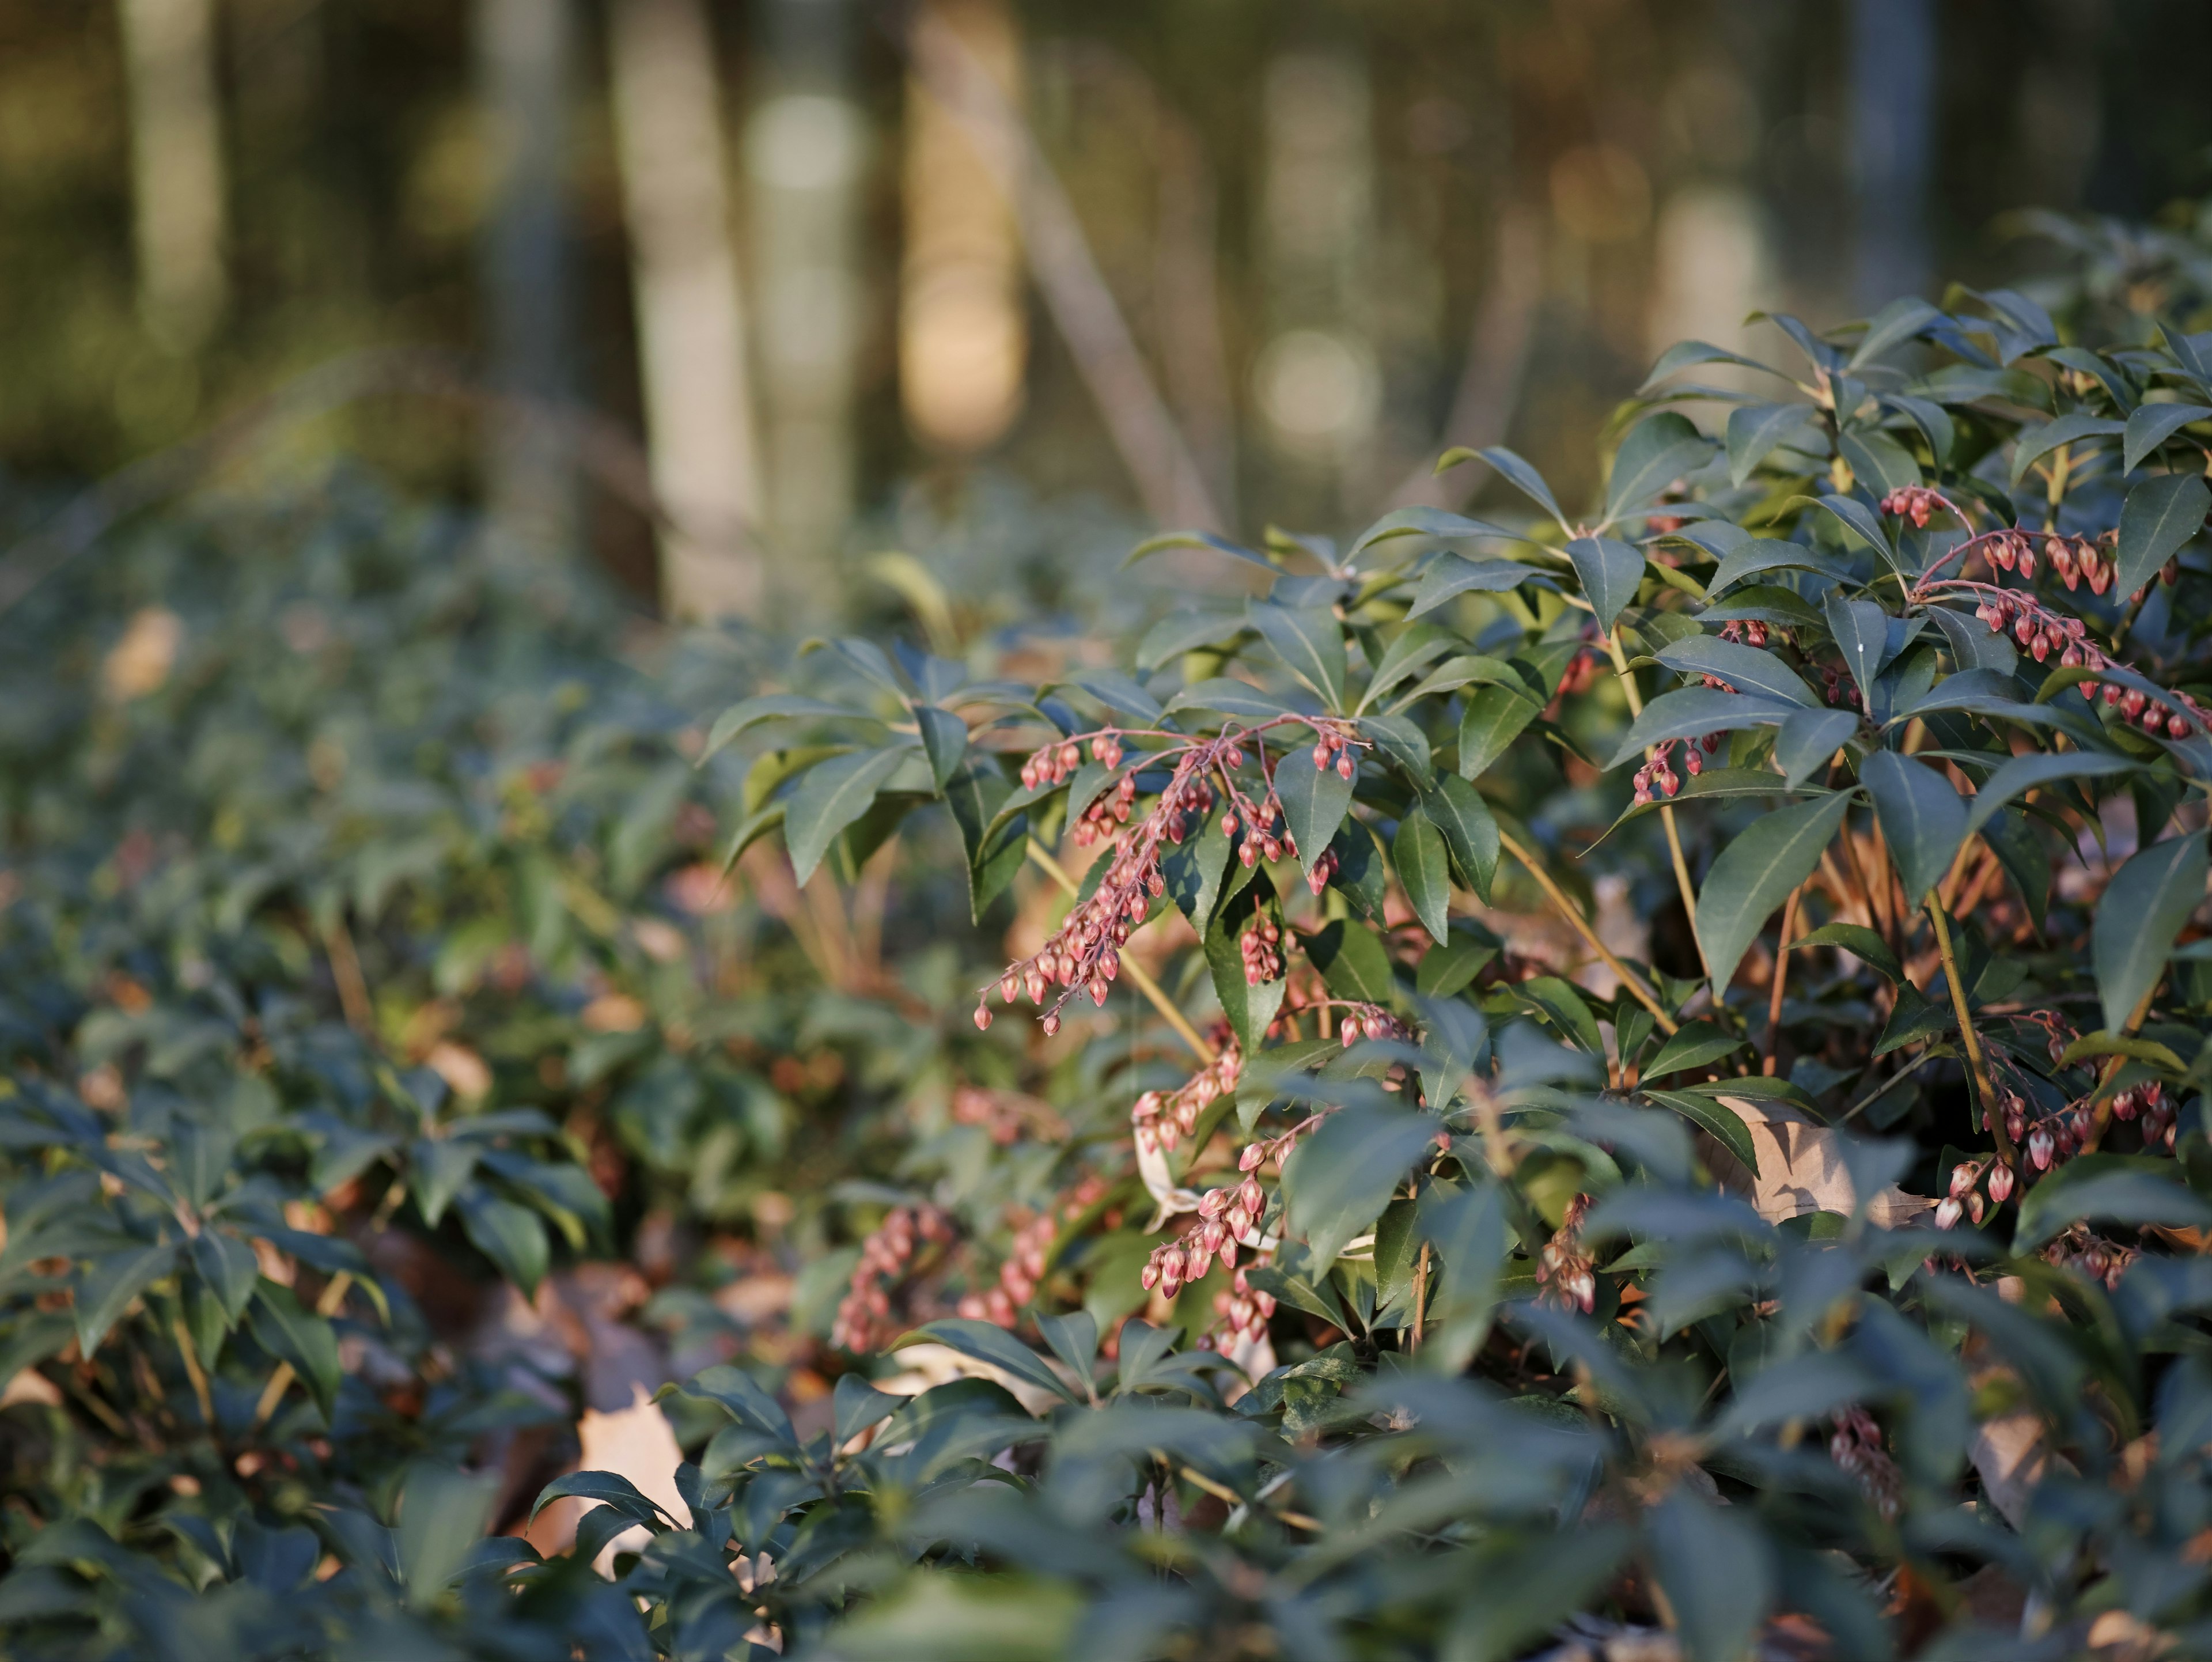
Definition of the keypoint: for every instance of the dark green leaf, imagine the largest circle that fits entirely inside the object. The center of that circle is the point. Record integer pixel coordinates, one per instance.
(1694, 1045)
(1495, 717)
(1417, 852)
(1352, 961)
(1694, 712)
(1746, 668)
(298, 1336)
(1451, 964)
(1229, 698)
(1891, 327)
(2107, 1189)
(1860, 941)
(2038, 442)
(1861, 629)
(1184, 631)
(1517, 472)
(1249, 1005)
(2160, 515)
(1879, 463)
(1207, 539)
(1714, 1118)
(1924, 819)
(944, 740)
(1418, 521)
(831, 796)
(1341, 1177)
(1193, 869)
(1315, 801)
(107, 1285)
(2037, 768)
(2152, 425)
(1470, 831)
(1451, 575)
(770, 707)
(995, 1345)
(1755, 430)
(1717, 1570)
(512, 1236)
(1754, 875)
(1656, 452)
(1309, 642)
(1808, 741)
(2143, 907)
(1610, 569)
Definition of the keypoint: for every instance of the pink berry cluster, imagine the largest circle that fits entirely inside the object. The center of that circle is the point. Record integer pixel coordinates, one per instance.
(1966, 1199)
(1916, 502)
(1334, 746)
(1566, 1271)
(1369, 1021)
(1656, 778)
(1261, 946)
(1750, 630)
(1085, 954)
(1053, 763)
(1244, 1311)
(1857, 1446)
(887, 1257)
(2091, 1255)
(1107, 814)
(1164, 1118)
(1024, 1265)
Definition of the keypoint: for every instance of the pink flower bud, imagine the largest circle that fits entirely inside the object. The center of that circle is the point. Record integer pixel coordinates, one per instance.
(1947, 1215)
(1963, 1177)
(983, 1018)
(1999, 1182)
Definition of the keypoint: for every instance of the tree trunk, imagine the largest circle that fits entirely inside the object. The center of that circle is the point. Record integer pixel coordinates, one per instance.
(176, 164)
(690, 318)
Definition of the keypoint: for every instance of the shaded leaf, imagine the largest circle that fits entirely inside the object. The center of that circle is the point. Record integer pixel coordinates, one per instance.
(2143, 907)
(1417, 852)
(2160, 515)
(1754, 875)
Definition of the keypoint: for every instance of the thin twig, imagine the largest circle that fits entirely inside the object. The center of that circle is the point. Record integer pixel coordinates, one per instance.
(1568, 910)
(1130, 967)
(1992, 1115)
(1420, 1296)
(1781, 981)
(345, 970)
(1886, 1086)
(1635, 698)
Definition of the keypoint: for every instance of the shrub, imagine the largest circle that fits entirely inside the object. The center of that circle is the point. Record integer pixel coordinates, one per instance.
(1661, 1052)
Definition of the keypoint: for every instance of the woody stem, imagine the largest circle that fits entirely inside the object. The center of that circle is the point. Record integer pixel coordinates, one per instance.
(1568, 910)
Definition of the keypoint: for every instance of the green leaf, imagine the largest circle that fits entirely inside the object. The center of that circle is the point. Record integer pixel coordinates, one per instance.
(1693, 712)
(1074, 1339)
(1494, 718)
(1878, 462)
(2037, 768)
(1694, 1045)
(1559, 1001)
(108, 1284)
(1420, 522)
(1451, 575)
(1857, 518)
(1229, 698)
(770, 707)
(441, 1166)
(944, 740)
(995, 1345)
(1516, 1589)
(1193, 870)
(1924, 819)
(1861, 629)
(1315, 801)
(1687, 355)
(1309, 642)
(1417, 852)
(1746, 668)
(1717, 1571)
(1207, 539)
(2107, 1189)
(2160, 515)
(510, 1234)
(1183, 631)
(1448, 966)
(831, 796)
(1470, 832)
(2143, 907)
(1117, 692)
(1718, 1121)
(1809, 740)
(442, 1516)
(1891, 327)
(1756, 430)
(1352, 961)
(1412, 646)
(1400, 739)
(228, 1267)
(295, 1334)
(2152, 425)
(1341, 1177)
(1517, 473)
(1974, 644)
(1658, 451)
(1610, 569)
(609, 1488)
(740, 1396)
(1754, 875)
(1860, 941)
(2032, 445)
(1359, 878)
(976, 793)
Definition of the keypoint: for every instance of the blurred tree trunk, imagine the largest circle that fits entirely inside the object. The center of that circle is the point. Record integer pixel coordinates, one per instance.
(176, 164)
(805, 148)
(690, 319)
(1892, 101)
(523, 49)
(963, 337)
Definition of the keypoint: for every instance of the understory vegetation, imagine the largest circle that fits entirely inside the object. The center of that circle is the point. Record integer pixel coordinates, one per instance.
(1608, 1074)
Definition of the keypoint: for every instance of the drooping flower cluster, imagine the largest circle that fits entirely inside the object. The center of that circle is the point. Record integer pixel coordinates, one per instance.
(1566, 1271)
(1656, 778)
(888, 1257)
(1024, 1266)
(1085, 954)
(1164, 1118)
(1261, 946)
(1965, 1198)
(1244, 1310)
(1916, 502)
(1857, 1446)
(2091, 1255)
(1108, 811)
(1369, 1021)
(1750, 630)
